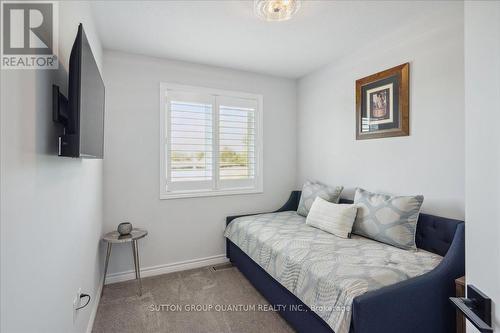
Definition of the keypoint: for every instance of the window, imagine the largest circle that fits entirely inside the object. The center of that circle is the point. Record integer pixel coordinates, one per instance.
(210, 142)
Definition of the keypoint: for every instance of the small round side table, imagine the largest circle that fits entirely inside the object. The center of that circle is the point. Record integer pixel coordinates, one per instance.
(113, 238)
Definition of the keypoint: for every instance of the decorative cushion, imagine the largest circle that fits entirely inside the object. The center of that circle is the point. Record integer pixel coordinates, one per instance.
(311, 190)
(336, 219)
(387, 219)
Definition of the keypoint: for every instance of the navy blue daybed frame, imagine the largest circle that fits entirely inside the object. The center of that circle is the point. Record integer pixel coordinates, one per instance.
(418, 305)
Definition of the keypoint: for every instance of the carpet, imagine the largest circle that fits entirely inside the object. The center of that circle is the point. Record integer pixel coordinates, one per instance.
(195, 301)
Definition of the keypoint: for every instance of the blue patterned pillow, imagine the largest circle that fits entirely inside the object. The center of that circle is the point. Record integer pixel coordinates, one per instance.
(387, 219)
(311, 190)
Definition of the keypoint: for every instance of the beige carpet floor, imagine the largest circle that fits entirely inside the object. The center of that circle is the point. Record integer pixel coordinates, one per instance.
(168, 301)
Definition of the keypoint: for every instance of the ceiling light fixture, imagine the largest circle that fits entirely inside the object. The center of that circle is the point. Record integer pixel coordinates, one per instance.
(276, 10)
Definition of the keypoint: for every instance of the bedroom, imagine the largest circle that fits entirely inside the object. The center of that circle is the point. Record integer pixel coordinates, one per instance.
(199, 111)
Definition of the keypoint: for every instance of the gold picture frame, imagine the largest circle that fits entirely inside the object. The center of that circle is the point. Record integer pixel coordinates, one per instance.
(382, 104)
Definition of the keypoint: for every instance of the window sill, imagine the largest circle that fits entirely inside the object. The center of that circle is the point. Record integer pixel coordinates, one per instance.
(208, 193)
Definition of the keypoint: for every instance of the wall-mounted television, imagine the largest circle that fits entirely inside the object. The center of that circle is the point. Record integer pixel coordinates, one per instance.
(82, 113)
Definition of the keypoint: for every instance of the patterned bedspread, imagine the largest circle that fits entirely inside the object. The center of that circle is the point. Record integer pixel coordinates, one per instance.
(324, 271)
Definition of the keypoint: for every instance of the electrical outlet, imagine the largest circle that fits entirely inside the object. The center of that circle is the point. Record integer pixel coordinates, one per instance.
(76, 304)
(76, 301)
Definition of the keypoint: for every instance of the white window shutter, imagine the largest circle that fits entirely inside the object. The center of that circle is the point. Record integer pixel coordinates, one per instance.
(237, 143)
(190, 141)
(211, 142)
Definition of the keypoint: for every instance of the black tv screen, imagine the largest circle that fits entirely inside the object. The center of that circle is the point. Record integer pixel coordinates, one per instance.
(84, 130)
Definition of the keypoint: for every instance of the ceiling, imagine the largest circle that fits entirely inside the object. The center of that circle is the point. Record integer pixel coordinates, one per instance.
(226, 33)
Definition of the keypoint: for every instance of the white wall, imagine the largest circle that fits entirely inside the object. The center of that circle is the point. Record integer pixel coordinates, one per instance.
(482, 159)
(431, 160)
(182, 229)
(51, 207)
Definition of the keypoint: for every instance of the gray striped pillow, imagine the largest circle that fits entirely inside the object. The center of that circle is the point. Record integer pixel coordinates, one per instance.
(311, 190)
(387, 219)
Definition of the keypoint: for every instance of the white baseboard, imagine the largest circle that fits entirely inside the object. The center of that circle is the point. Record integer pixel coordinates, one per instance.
(95, 305)
(167, 268)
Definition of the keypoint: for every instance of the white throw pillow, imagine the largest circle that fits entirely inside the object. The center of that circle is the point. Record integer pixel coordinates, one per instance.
(336, 219)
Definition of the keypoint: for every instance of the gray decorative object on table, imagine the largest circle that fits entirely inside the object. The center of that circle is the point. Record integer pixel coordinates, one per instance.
(311, 190)
(124, 228)
(115, 237)
(388, 219)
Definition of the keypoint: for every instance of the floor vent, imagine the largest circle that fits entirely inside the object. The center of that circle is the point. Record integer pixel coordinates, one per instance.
(222, 267)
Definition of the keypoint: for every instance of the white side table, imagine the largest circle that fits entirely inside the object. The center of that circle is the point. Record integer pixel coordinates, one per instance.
(113, 238)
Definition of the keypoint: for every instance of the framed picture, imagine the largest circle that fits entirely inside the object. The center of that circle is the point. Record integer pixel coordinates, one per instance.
(382, 108)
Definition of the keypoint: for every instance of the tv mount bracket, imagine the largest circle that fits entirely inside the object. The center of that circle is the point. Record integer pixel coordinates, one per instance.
(60, 107)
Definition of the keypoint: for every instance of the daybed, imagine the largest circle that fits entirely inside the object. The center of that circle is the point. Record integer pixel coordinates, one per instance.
(419, 304)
